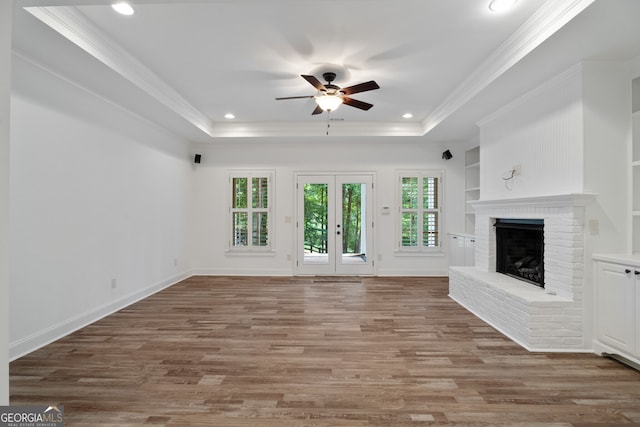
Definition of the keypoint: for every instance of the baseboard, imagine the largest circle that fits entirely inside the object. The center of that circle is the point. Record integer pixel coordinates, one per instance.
(35, 341)
(412, 273)
(241, 272)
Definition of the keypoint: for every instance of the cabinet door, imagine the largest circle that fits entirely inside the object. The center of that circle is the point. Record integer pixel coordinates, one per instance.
(456, 250)
(469, 251)
(636, 309)
(615, 301)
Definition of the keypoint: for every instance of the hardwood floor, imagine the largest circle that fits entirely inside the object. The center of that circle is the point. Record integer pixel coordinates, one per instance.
(269, 351)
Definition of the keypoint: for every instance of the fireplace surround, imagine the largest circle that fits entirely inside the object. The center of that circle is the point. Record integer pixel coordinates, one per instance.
(540, 319)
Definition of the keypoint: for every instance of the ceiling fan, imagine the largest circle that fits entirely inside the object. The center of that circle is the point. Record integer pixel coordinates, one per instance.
(330, 96)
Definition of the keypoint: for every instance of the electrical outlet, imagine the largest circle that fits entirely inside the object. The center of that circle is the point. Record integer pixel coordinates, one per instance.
(517, 170)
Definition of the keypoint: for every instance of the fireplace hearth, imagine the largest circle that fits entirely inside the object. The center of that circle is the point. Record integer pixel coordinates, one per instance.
(520, 249)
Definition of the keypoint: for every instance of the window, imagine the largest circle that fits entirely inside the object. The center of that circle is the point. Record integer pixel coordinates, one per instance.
(250, 211)
(420, 210)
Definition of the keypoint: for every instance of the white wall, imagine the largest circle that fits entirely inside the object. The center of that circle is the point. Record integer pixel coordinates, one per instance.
(382, 156)
(99, 199)
(543, 133)
(607, 137)
(5, 85)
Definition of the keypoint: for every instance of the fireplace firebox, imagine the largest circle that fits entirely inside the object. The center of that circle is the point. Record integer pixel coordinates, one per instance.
(520, 249)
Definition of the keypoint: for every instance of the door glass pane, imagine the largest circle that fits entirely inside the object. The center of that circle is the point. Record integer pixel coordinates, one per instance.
(430, 231)
(240, 228)
(315, 223)
(353, 227)
(410, 193)
(260, 229)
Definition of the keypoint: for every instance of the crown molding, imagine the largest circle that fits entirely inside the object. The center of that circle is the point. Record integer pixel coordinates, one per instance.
(552, 16)
(73, 25)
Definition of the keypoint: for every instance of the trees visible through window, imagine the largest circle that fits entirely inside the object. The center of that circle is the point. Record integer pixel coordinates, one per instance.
(420, 210)
(250, 210)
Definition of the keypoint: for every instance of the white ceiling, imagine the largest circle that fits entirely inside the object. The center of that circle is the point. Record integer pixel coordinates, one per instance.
(185, 64)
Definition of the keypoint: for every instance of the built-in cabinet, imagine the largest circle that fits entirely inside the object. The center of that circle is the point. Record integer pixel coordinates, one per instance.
(471, 187)
(461, 250)
(617, 306)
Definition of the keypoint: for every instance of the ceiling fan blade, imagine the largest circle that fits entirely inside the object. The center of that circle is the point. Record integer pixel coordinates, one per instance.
(318, 110)
(355, 103)
(295, 97)
(314, 82)
(362, 87)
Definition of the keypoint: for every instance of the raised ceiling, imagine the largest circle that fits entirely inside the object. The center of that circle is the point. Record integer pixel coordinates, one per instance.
(185, 64)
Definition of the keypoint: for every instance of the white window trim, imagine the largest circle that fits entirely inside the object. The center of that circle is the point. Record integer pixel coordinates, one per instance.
(251, 250)
(419, 250)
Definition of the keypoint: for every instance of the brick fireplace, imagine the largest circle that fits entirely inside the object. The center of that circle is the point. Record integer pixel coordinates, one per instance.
(540, 319)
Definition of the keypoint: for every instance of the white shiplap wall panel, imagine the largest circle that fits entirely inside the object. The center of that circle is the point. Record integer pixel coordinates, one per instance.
(541, 132)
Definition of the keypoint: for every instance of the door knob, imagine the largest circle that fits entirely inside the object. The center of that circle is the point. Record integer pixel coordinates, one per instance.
(627, 271)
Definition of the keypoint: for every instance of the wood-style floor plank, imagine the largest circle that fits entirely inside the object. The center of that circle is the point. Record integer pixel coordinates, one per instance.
(270, 351)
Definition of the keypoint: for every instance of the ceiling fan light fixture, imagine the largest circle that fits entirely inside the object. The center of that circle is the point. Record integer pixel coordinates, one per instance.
(501, 5)
(329, 102)
(123, 8)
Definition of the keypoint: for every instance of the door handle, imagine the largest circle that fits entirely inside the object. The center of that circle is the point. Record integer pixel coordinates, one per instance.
(627, 271)
(637, 272)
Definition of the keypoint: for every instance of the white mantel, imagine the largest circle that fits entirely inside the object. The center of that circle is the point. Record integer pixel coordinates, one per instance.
(557, 200)
(549, 319)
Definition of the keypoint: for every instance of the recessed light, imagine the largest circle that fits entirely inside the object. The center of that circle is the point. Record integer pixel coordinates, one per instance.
(407, 115)
(501, 5)
(123, 8)
(229, 116)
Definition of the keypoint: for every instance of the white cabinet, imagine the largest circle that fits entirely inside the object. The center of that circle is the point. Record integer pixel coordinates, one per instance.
(617, 306)
(461, 250)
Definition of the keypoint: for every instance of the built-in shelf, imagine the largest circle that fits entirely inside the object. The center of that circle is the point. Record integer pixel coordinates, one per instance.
(471, 186)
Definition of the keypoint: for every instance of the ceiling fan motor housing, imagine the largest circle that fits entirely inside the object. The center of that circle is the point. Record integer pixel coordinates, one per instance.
(329, 77)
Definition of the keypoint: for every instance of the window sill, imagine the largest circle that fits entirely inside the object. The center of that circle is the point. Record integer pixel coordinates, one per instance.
(249, 252)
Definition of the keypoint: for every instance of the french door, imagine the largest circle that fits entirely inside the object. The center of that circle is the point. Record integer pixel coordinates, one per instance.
(334, 224)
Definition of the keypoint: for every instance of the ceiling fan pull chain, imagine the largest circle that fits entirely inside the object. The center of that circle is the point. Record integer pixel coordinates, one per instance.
(328, 124)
